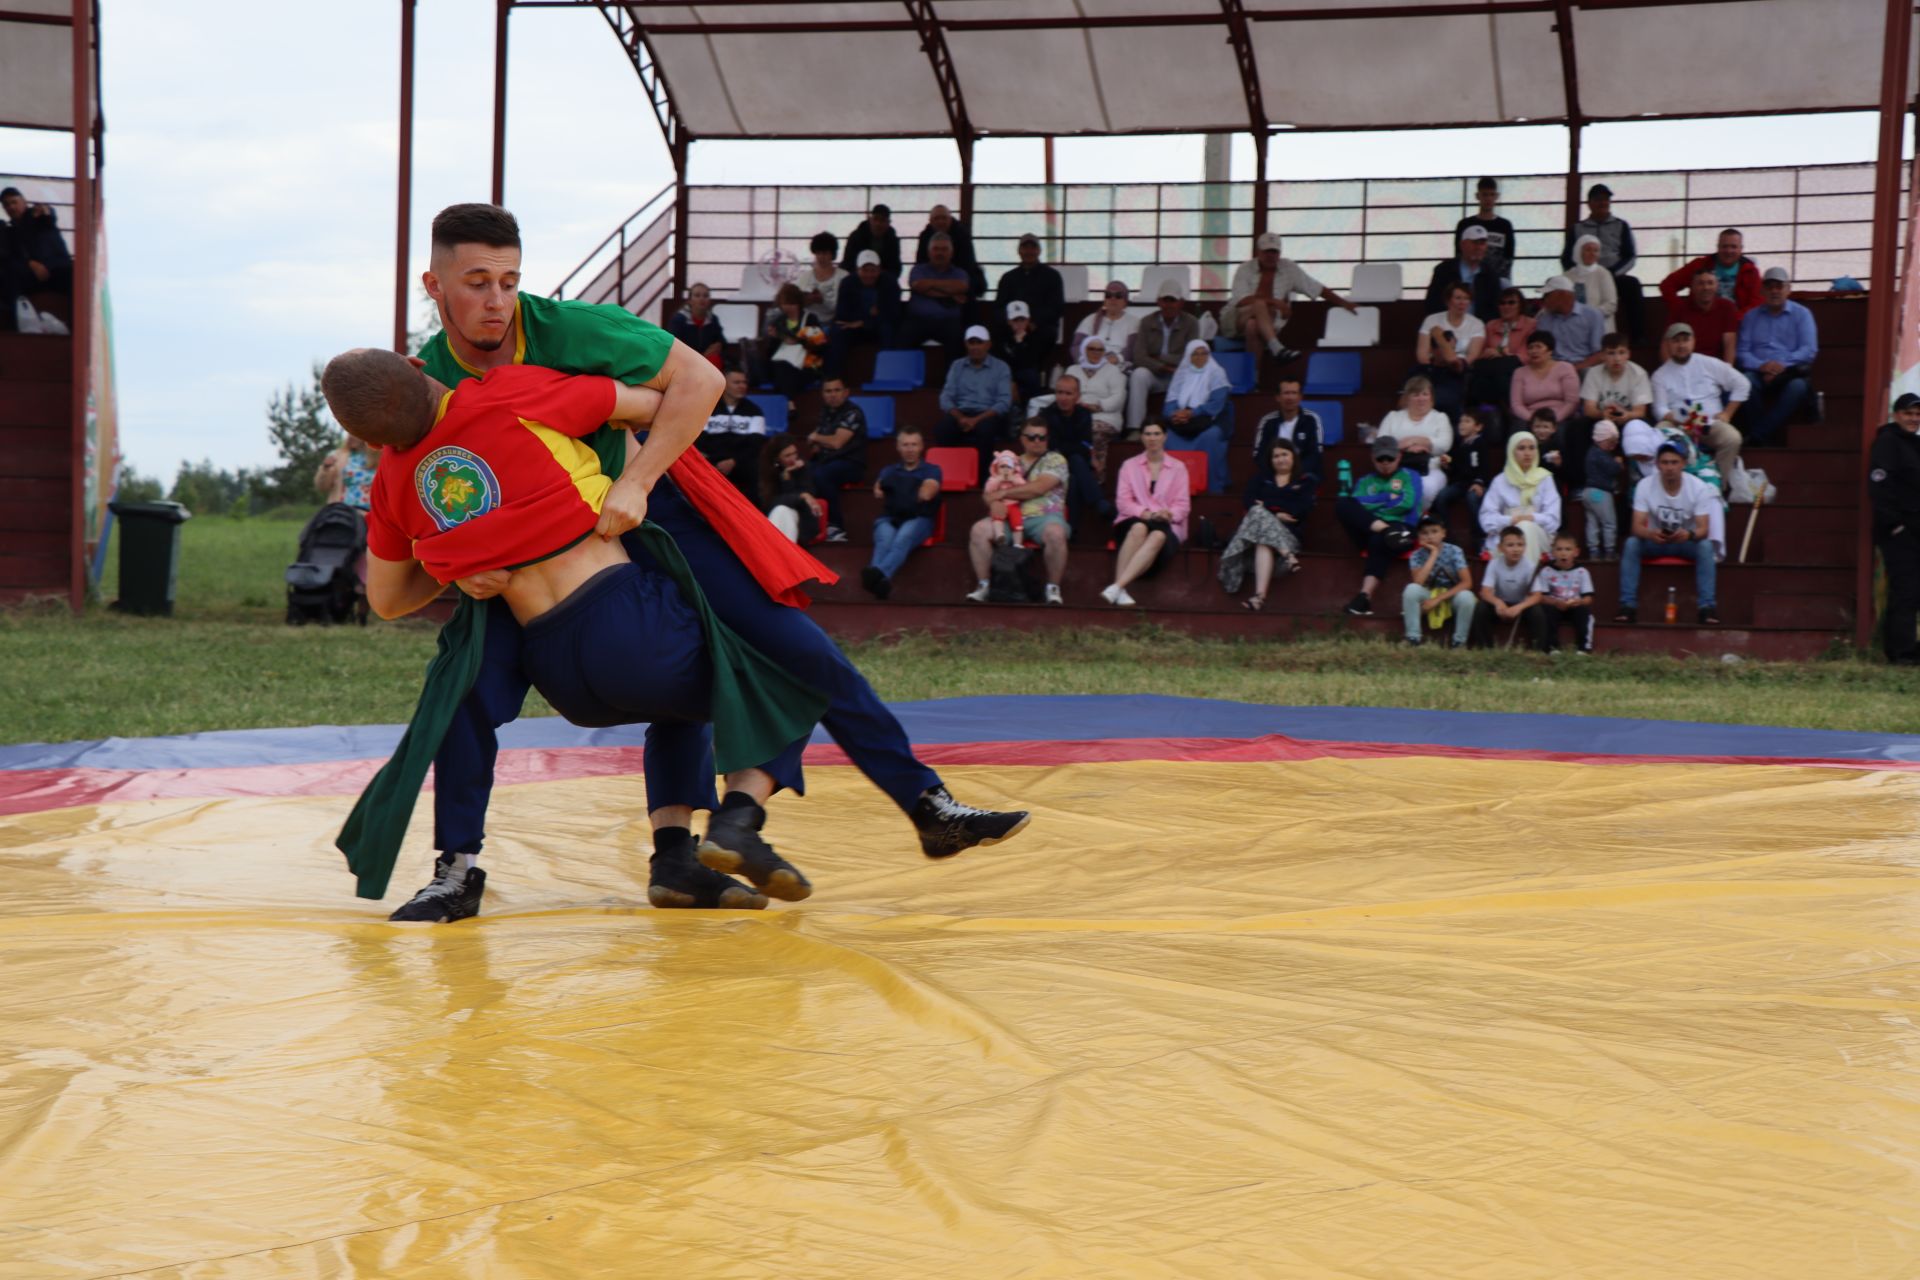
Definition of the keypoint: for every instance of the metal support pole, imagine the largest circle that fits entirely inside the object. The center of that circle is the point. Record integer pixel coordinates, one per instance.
(1883, 287)
(1260, 141)
(85, 232)
(1573, 171)
(404, 213)
(1055, 250)
(965, 143)
(502, 8)
(682, 203)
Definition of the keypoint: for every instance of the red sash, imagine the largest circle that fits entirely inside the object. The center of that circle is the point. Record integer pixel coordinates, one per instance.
(776, 564)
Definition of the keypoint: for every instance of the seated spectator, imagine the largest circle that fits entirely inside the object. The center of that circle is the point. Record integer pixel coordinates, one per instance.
(1476, 456)
(1699, 395)
(1506, 590)
(937, 307)
(1160, 345)
(1736, 277)
(1197, 413)
(877, 235)
(1043, 514)
(33, 259)
(1470, 270)
(1379, 517)
(941, 222)
(819, 280)
(1442, 587)
(735, 433)
(1152, 503)
(1113, 324)
(1501, 249)
(839, 444)
(976, 399)
(1672, 515)
(1577, 328)
(1714, 320)
(786, 490)
(794, 344)
(866, 313)
(1593, 283)
(697, 326)
(1294, 425)
(1259, 300)
(1617, 252)
(1778, 345)
(1544, 427)
(1037, 285)
(1279, 498)
(1639, 440)
(1522, 496)
(1424, 435)
(1103, 391)
(1072, 429)
(346, 474)
(1491, 381)
(1027, 354)
(1600, 493)
(1565, 590)
(1449, 342)
(1616, 390)
(1543, 382)
(909, 493)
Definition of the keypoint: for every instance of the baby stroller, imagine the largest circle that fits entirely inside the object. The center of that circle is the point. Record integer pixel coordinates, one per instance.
(323, 585)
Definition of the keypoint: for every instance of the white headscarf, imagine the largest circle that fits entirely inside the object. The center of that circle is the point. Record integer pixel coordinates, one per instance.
(1191, 388)
(1581, 243)
(1091, 367)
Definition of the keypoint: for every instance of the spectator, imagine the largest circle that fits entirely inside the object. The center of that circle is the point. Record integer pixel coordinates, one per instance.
(697, 326)
(909, 493)
(1565, 591)
(1279, 498)
(1672, 513)
(1103, 391)
(1072, 429)
(1259, 305)
(1699, 395)
(346, 474)
(839, 443)
(33, 259)
(876, 234)
(786, 490)
(1545, 428)
(1600, 493)
(1491, 381)
(1449, 342)
(1506, 593)
(1736, 276)
(1004, 474)
(736, 431)
(1039, 286)
(1577, 328)
(820, 279)
(1638, 441)
(1617, 252)
(1026, 353)
(1468, 269)
(1544, 383)
(1616, 389)
(1593, 283)
(941, 222)
(794, 344)
(1113, 324)
(1714, 320)
(866, 312)
(1442, 587)
(1893, 486)
(1523, 496)
(1197, 413)
(976, 399)
(1476, 455)
(1293, 424)
(1424, 435)
(1152, 500)
(1043, 514)
(1378, 516)
(1777, 348)
(937, 306)
(1159, 348)
(1501, 248)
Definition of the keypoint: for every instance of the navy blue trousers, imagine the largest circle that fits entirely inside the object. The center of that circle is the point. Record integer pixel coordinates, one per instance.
(678, 752)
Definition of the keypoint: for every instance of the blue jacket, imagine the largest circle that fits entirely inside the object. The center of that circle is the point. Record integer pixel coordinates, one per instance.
(972, 388)
(1788, 336)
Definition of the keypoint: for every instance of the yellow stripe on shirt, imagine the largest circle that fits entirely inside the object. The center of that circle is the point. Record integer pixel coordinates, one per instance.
(577, 459)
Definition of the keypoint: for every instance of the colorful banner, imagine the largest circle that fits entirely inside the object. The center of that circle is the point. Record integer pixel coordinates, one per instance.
(103, 424)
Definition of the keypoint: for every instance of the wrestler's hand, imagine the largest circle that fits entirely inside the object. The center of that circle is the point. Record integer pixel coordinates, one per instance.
(485, 586)
(624, 508)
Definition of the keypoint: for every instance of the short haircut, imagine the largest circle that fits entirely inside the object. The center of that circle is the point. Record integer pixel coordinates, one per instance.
(379, 397)
(11, 191)
(1430, 522)
(1460, 286)
(1612, 341)
(1484, 414)
(1486, 184)
(909, 431)
(1544, 415)
(1512, 531)
(697, 284)
(1542, 336)
(825, 242)
(1709, 273)
(833, 377)
(1567, 538)
(939, 237)
(1042, 424)
(1511, 294)
(790, 292)
(486, 224)
(1294, 378)
(1732, 231)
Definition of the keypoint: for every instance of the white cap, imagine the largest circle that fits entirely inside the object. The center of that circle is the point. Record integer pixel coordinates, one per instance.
(1474, 232)
(1557, 284)
(867, 258)
(1267, 240)
(1019, 311)
(978, 333)
(1777, 273)
(1172, 288)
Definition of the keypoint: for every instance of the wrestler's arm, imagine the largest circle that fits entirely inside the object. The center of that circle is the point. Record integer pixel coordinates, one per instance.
(396, 588)
(689, 386)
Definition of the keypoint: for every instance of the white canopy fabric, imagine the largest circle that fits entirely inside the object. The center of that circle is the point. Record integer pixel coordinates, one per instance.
(36, 65)
(1063, 67)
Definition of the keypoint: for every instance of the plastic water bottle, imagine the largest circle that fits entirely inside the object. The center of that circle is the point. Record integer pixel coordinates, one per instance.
(1345, 479)
(1673, 606)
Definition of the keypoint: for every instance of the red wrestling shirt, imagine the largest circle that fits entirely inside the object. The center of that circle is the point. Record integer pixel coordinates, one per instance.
(501, 480)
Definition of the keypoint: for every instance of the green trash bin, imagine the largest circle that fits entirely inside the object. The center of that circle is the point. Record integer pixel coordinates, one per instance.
(149, 555)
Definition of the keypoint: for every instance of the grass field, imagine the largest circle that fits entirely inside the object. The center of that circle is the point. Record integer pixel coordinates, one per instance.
(227, 661)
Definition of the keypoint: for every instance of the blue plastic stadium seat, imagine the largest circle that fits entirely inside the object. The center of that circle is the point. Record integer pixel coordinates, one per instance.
(1333, 373)
(775, 407)
(1333, 419)
(1239, 368)
(879, 411)
(1224, 343)
(898, 371)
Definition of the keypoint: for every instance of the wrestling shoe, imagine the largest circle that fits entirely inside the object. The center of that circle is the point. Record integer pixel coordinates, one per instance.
(733, 846)
(453, 895)
(679, 880)
(946, 826)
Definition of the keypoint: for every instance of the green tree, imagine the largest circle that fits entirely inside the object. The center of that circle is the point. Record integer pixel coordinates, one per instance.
(135, 487)
(205, 489)
(303, 432)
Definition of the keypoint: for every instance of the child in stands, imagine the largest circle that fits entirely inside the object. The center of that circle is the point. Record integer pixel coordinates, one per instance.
(1600, 496)
(1003, 473)
(1546, 429)
(1564, 590)
(1442, 586)
(1475, 459)
(1507, 590)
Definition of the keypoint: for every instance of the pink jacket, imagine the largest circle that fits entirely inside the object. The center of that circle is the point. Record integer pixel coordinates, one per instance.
(1558, 391)
(1135, 493)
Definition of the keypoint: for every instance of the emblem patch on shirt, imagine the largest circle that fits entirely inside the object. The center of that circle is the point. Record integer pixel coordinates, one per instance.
(455, 486)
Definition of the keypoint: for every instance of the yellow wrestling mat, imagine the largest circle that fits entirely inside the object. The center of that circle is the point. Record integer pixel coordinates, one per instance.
(1404, 1017)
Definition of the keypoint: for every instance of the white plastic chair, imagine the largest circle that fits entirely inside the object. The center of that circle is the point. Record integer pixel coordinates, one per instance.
(738, 319)
(754, 287)
(1073, 282)
(1355, 329)
(1153, 277)
(1376, 282)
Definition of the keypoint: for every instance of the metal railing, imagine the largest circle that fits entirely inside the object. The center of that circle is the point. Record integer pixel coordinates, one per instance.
(633, 266)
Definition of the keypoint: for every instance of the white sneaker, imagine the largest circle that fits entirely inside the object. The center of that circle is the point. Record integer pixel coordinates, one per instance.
(25, 318)
(1273, 347)
(51, 323)
(1109, 593)
(979, 594)
(1124, 600)
(1053, 593)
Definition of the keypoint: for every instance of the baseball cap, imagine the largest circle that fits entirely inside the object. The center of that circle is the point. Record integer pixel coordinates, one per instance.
(1030, 238)
(1777, 273)
(1907, 401)
(867, 258)
(1679, 327)
(1670, 446)
(1599, 189)
(1019, 311)
(1267, 240)
(1605, 434)
(1474, 232)
(978, 333)
(1172, 288)
(1557, 284)
(1385, 447)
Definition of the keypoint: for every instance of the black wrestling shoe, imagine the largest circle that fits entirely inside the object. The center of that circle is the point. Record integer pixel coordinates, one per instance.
(946, 826)
(453, 895)
(679, 881)
(733, 846)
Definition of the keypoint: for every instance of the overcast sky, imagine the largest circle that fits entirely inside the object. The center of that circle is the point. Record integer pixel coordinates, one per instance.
(250, 198)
